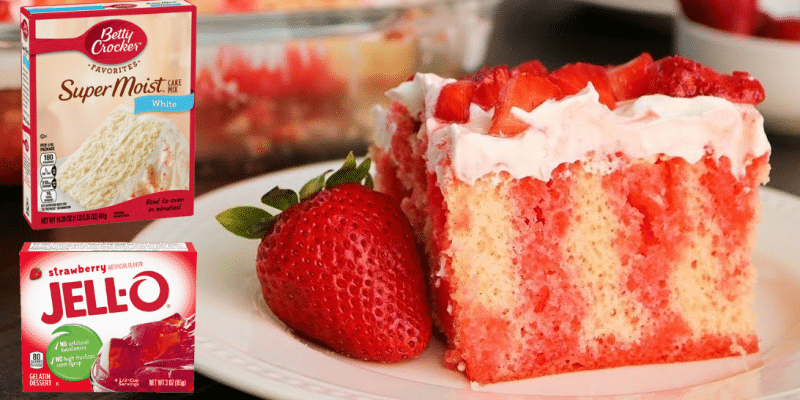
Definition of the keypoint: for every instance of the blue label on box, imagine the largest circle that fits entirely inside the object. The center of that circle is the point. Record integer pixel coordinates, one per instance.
(66, 8)
(163, 103)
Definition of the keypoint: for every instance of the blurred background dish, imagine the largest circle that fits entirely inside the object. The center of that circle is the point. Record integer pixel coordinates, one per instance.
(287, 83)
(661, 7)
(774, 62)
(283, 88)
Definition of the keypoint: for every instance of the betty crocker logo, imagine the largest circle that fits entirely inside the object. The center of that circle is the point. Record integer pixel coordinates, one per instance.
(114, 41)
(67, 297)
(24, 29)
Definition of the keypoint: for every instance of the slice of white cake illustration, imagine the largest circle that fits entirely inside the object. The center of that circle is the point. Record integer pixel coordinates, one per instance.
(127, 156)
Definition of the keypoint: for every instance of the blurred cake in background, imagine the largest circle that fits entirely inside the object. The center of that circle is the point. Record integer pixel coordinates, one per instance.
(285, 83)
(298, 86)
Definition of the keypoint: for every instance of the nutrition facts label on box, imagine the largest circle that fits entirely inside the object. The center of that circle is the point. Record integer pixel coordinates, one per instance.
(47, 177)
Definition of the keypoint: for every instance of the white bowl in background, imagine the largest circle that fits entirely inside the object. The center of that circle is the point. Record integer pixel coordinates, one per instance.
(775, 63)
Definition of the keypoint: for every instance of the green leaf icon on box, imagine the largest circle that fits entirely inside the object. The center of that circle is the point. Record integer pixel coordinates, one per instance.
(71, 354)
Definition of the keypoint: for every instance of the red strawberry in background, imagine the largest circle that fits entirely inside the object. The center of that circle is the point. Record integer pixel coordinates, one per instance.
(36, 273)
(741, 16)
(339, 265)
(787, 28)
(5, 11)
(737, 16)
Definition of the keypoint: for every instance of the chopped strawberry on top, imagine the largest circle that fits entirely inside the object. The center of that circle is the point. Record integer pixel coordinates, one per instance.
(678, 77)
(681, 77)
(739, 87)
(524, 91)
(488, 84)
(528, 85)
(454, 100)
(532, 67)
(339, 265)
(573, 78)
(629, 80)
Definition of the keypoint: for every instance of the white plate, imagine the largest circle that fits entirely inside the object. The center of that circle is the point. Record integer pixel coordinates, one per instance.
(660, 7)
(240, 343)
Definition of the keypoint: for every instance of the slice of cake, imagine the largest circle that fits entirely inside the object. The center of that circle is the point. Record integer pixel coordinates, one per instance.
(583, 218)
(127, 156)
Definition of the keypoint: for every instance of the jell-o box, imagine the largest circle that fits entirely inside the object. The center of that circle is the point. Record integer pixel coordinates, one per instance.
(108, 317)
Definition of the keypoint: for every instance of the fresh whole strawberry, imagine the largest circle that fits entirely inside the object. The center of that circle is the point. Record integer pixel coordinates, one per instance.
(36, 273)
(339, 265)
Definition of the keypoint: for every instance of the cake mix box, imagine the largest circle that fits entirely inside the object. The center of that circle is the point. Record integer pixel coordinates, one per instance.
(108, 317)
(107, 112)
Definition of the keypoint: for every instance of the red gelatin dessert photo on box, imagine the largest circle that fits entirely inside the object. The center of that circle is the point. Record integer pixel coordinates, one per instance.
(153, 357)
(108, 317)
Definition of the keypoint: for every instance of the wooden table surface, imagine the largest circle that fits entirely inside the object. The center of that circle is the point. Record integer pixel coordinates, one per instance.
(554, 32)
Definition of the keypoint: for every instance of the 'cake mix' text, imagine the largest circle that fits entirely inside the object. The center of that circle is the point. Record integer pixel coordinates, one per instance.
(65, 300)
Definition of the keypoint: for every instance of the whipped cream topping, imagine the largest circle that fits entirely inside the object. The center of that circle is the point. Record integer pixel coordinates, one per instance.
(577, 126)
